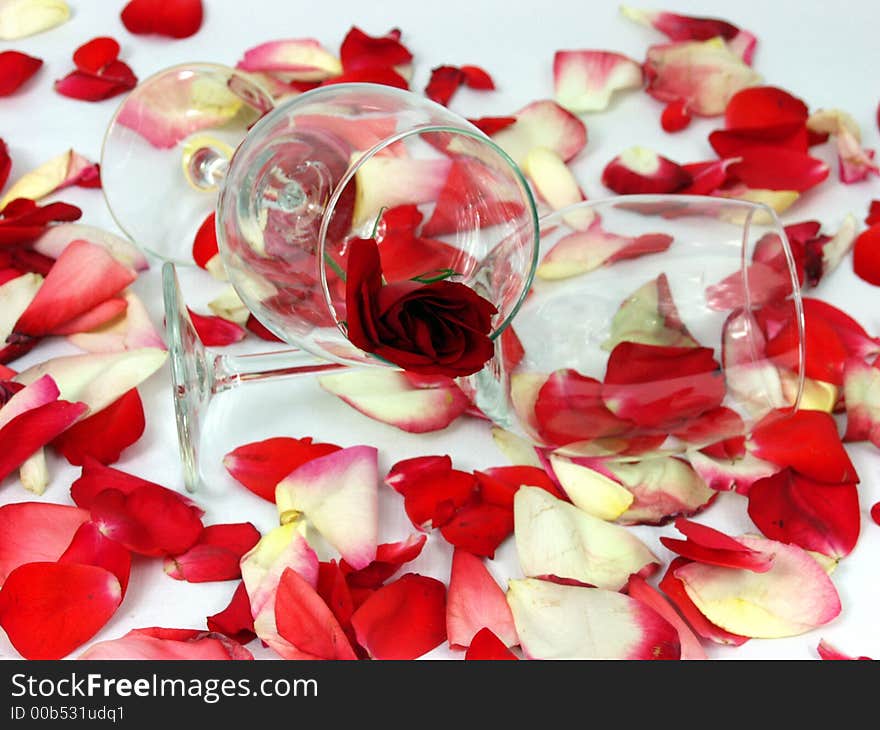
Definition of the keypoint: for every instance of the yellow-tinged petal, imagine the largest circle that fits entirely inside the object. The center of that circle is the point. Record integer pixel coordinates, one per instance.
(21, 18)
(593, 492)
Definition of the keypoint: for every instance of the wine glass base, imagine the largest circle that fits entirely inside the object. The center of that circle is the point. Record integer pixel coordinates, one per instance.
(192, 376)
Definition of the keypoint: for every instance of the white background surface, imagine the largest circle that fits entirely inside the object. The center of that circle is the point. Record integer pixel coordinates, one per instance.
(825, 53)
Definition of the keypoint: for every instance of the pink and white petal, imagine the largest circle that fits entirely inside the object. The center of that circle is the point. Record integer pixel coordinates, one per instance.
(15, 297)
(21, 18)
(34, 473)
(543, 124)
(158, 644)
(390, 397)
(556, 539)
(97, 379)
(552, 178)
(229, 306)
(592, 491)
(641, 170)
(584, 81)
(58, 237)
(793, 597)
(861, 393)
(691, 648)
(60, 172)
(725, 474)
(574, 622)
(474, 602)
(35, 532)
(517, 449)
(387, 182)
(302, 59)
(101, 314)
(41, 391)
(704, 74)
(133, 331)
(840, 244)
(339, 495)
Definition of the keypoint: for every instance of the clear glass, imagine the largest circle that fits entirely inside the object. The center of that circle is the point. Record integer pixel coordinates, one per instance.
(168, 147)
(627, 292)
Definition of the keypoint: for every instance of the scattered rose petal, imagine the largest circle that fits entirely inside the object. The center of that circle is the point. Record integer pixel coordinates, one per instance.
(34, 532)
(866, 255)
(443, 84)
(485, 646)
(575, 622)
(216, 331)
(828, 652)
(431, 488)
(131, 331)
(338, 494)
(556, 539)
(404, 619)
(98, 316)
(475, 601)
(236, 620)
(691, 648)
(492, 125)
(479, 527)
(793, 597)
(584, 81)
(361, 51)
(68, 168)
(99, 74)
(390, 557)
(552, 179)
(106, 434)
(167, 644)
(778, 168)
(795, 510)
(681, 27)
(861, 390)
(6, 163)
(205, 249)
(391, 397)
(15, 69)
(21, 18)
(49, 609)
(292, 60)
(90, 547)
(216, 555)
(171, 18)
(590, 490)
(640, 170)
(260, 465)
(22, 221)
(726, 472)
(707, 545)
(675, 116)
(543, 124)
(39, 393)
(57, 238)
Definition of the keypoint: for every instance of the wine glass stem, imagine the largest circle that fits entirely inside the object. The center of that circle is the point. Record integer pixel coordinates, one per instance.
(233, 370)
(206, 167)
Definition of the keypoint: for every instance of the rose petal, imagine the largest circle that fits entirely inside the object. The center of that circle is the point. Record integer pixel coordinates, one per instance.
(68, 168)
(98, 379)
(15, 297)
(723, 474)
(390, 557)
(704, 74)
(96, 477)
(98, 316)
(492, 125)
(90, 87)
(172, 18)
(554, 182)
(584, 81)
(132, 331)
(866, 255)
(675, 116)
(808, 442)
(554, 538)
(404, 619)
(15, 69)
(691, 648)
(766, 112)
(338, 494)
(795, 510)
(57, 238)
(711, 547)
(23, 18)
(573, 622)
(216, 555)
(293, 59)
(590, 490)
(216, 331)
(475, 601)
(388, 396)
(681, 27)
(640, 170)
(830, 653)
(360, 50)
(793, 597)
(256, 327)
(83, 276)
(443, 84)
(543, 124)
(499, 484)
(205, 246)
(106, 434)
(479, 527)
(39, 393)
(485, 646)
(167, 644)
(861, 390)
(22, 221)
(33, 532)
(49, 609)
(778, 168)
(236, 620)
(90, 547)
(431, 488)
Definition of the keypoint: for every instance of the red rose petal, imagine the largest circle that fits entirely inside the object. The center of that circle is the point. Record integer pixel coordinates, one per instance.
(639, 170)
(488, 647)
(96, 317)
(49, 609)
(674, 589)
(157, 643)
(830, 653)
(260, 465)
(22, 220)
(639, 589)
(33, 429)
(93, 56)
(492, 125)
(683, 27)
(216, 556)
(866, 255)
(820, 517)
(806, 441)
(825, 353)
(171, 18)
(90, 547)
(765, 110)
(707, 545)
(83, 276)
(778, 168)
(215, 331)
(32, 532)
(105, 435)
(477, 78)
(498, 485)
(370, 75)
(359, 50)
(151, 520)
(675, 116)
(432, 490)
(443, 84)
(872, 218)
(96, 477)
(404, 619)
(475, 601)
(390, 557)
(236, 620)
(15, 69)
(875, 513)
(254, 326)
(205, 243)
(479, 528)
(306, 622)
(6, 163)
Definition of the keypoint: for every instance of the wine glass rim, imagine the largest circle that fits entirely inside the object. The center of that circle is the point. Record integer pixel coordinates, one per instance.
(467, 130)
(198, 66)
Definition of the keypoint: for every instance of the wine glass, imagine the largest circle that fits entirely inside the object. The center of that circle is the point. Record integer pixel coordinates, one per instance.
(335, 165)
(656, 323)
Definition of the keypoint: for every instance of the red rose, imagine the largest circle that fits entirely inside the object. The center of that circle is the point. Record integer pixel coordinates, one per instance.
(441, 328)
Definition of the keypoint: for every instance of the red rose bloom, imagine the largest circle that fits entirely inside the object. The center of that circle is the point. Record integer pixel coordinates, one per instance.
(440, 328)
